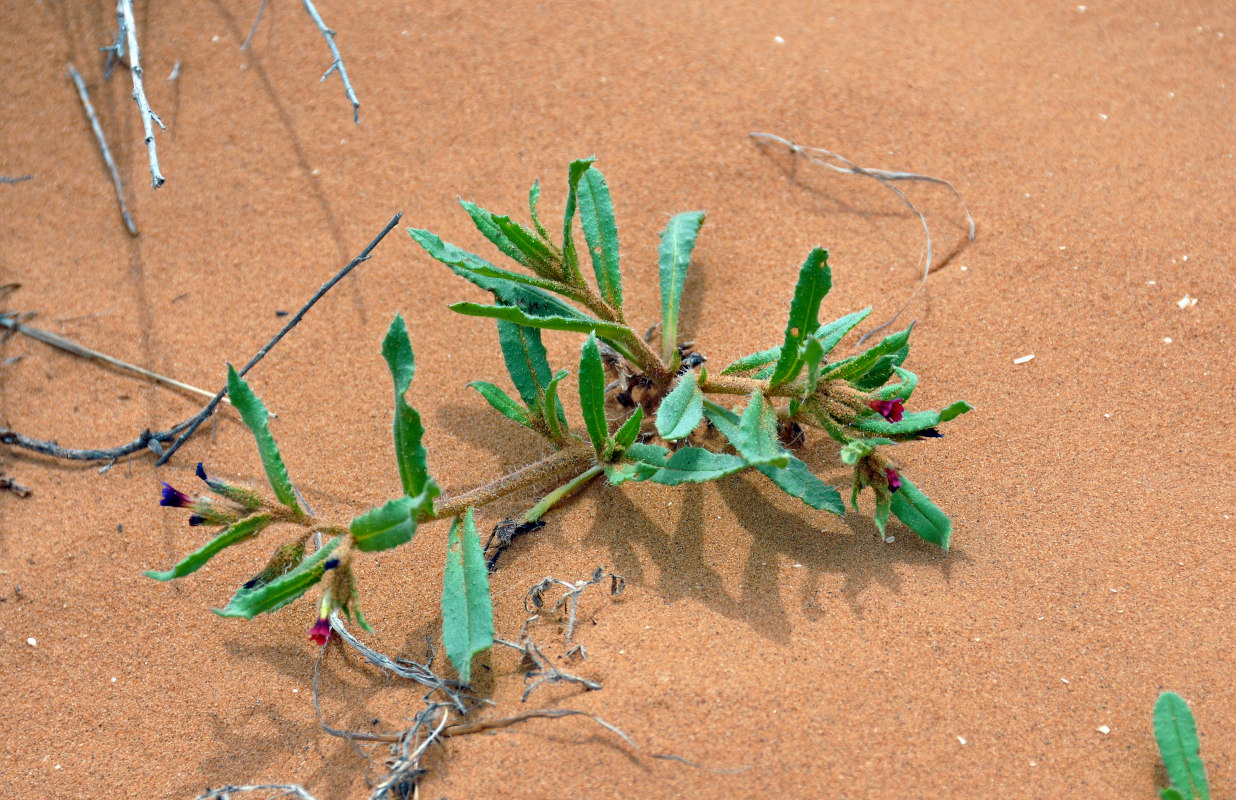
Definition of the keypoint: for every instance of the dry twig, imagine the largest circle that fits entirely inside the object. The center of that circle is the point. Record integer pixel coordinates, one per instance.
(76, 77)
(127, 31)
(543, 670)
(821, 157)
(283, 789)
(570, 598)
(180, 433)
(18, 179)
(253, 30)
(337, 63)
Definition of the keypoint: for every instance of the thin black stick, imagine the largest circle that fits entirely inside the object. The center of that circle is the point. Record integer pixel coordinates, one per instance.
(292, 323)
(18, 179)
(253, 30)
(76, 77)
(337, 64)
(147, 439)
(886, 179)
(127, 27)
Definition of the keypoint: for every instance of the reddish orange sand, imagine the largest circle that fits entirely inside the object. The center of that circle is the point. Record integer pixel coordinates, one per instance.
(1091, 489)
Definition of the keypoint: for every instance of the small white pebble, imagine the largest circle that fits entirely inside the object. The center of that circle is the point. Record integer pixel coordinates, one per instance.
(963, 267)
(1150, 283)
(1103, 117)
(963, 741)
(1062, 247)
(31, 641)
(1187, 302)
(1024, 359)
(976, 638)
(778, 40)
(1033, 764)
(796, 566)
(1081, 8)
(1103, 729)
(295, 691)
(314, 172)
(1064, 680)
(113, 680)
(1184, 258)
(1115, 590)
(57, 766)
(1167, 340)
(1027, 194)
(1107, 416)
(891, 539)
(214, 38)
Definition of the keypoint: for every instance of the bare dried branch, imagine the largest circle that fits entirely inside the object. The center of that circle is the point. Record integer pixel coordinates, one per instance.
(127, 29)
(570, 598)
(76, 77)
(18, 179)
(337, 63)
(283, 789)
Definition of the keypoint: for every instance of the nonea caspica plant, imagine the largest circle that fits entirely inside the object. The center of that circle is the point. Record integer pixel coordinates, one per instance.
(651, 412)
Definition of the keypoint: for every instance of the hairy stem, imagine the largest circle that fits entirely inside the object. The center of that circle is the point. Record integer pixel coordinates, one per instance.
(561, 493)
(571, 459)
(736, 384)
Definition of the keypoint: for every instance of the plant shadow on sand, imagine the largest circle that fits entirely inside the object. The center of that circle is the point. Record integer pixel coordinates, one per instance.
(683, 561)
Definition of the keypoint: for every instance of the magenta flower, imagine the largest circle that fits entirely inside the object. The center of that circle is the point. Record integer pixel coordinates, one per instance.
(891, 410)
(894, 480)
(320, 632)
(175, 498)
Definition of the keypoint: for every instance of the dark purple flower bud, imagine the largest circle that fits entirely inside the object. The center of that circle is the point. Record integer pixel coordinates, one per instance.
(894, 480)
(174, 497)
(331, 563)
(197, 519)
(891, 410)
(320, 632)
(201, 472)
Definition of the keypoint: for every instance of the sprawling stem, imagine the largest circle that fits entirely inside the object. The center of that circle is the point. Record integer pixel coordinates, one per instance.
(568, 460)
(737, 384)
(561, 493)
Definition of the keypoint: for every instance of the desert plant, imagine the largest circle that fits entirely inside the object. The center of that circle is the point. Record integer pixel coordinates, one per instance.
(630, 397)
(1176, 733)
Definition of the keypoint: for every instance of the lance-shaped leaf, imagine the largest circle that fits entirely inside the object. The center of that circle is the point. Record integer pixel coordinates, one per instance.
(553, 415)
(511, 288)
(626, 435)
(596, 217)
(903, 389)
(492, 231)
(1176, 733)
(795, 478)
(272, 596)
(830, 335)
(537, 256)
(911, 422)
(467, 612)
(502, 402)
(534, 194)
(579, 324)
(879, 374)
(686, 465)
(677, 242)
(755, 436)
(525, 361)
(814, 281)
(921, 515)
(592, 395)
(569, 255)
(253, 412)
(813, 357)
(753, 361)
(861, 448)
(389, 525)
(233, 534)
(883, 506)
(854, 367)
(682, 409)
(408, 430)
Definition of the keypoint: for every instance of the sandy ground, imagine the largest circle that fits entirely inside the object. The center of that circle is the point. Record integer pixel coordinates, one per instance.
(1091, 489)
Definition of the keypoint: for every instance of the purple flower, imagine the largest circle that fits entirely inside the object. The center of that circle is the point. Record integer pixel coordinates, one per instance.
(891, 410)
(201, 472)
(894, 480)
(175, 498)
(320, 632)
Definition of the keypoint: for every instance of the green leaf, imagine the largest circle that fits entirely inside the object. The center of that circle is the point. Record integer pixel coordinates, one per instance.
(682, 409)
(920, 514)
(1171, 794)
(388, 525)
(537, 256)
(501, 401)
(830, 335)
(255, 417)
(233, 534)
(814, 281)
(525, 361)
(596, 216)
(534, 194)
(883, 506)
(592, 395)
(1176, 732)
(574, 173)
(626, 435)
(903, 389)
(686, 465)
(812, 356)
(467, 612)
(753, 361)
(511, 288)
(754, 434)
(408, 430)
(854, 367)
(555, 420)
(912, 421)
(248, 603)
(579, 324)
(796, 479)
(677, 242)
(492, 231)
(860, 448)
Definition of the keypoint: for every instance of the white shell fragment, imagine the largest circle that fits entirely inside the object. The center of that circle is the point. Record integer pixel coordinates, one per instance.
(1024, 359)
